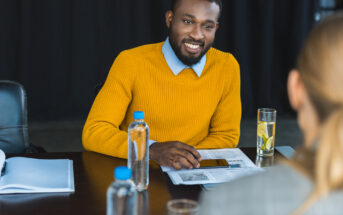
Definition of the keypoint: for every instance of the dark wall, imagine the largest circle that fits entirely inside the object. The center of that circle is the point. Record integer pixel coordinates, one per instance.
(60, 49)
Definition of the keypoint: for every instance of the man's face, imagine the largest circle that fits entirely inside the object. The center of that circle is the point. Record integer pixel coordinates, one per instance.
(192, 29)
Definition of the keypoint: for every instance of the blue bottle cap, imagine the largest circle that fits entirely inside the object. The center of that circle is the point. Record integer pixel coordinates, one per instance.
(122, 173)
(138, 115)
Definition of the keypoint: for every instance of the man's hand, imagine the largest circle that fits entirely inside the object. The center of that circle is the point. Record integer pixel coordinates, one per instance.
(175, 154)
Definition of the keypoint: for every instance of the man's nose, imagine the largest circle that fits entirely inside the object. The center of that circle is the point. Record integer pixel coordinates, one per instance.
(197, 33)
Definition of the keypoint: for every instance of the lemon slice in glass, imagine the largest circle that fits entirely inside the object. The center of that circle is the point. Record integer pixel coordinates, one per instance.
(268, 144)
(262, 129)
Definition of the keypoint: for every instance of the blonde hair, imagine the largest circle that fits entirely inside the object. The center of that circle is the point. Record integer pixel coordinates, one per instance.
(321, 71)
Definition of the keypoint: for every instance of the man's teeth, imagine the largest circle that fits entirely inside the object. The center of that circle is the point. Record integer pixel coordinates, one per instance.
(192, 46)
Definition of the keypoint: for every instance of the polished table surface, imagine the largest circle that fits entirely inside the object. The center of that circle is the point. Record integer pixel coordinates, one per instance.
(93, 173)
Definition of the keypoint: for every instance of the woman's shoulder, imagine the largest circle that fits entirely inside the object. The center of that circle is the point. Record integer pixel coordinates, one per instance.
(277, 178)
(278, 190)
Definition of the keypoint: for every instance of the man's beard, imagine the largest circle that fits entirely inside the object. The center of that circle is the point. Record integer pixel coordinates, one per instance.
(187, 60)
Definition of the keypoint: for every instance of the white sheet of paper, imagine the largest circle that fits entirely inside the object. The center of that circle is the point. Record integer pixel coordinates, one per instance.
(234, 155)
(215, 175)
(210, 176)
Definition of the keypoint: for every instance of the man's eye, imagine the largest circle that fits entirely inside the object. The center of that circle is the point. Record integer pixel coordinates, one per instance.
(209, 27)
(188, 22)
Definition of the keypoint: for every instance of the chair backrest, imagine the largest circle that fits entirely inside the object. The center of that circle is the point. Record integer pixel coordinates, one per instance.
(13, 117)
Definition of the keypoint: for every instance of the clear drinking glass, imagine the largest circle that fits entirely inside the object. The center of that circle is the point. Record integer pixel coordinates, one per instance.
(182, 207)
(266, 119)
(264, 161)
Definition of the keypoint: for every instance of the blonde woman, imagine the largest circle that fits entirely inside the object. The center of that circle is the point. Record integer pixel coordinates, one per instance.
(312, 182)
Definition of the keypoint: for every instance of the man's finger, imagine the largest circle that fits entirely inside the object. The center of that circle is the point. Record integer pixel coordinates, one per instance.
(191, 159)
(176, 165)
(190, 149)
(185, 163)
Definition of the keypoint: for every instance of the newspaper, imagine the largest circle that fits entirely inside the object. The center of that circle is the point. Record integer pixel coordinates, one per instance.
(240, 164)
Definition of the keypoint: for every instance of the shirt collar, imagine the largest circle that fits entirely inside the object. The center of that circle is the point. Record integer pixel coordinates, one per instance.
(176, 65)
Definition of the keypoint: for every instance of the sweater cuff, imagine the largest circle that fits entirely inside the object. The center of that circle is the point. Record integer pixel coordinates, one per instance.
(151, 142)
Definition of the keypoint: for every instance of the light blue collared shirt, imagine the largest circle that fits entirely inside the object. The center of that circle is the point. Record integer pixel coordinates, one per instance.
(175, 65)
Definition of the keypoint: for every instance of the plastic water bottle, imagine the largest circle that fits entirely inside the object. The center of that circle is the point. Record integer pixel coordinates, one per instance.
(122, 194)
(138, 151)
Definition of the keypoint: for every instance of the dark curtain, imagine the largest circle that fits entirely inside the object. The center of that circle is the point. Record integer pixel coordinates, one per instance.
(60, 49)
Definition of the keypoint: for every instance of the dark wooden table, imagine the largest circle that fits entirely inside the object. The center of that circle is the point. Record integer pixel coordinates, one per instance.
(93, 173)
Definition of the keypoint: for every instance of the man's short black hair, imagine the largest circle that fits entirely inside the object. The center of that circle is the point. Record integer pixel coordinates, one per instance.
(218, 2)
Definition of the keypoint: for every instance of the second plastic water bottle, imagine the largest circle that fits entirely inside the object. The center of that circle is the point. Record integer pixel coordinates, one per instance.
(121, 194)
(138, 151)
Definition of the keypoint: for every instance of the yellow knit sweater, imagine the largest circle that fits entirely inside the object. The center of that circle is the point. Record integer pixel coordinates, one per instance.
(203, 112)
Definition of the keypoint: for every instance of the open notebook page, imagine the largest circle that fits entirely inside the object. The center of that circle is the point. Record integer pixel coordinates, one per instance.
(37, 175)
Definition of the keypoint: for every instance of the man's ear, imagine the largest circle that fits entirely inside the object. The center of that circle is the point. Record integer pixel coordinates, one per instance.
(169, 17)
(295, 89)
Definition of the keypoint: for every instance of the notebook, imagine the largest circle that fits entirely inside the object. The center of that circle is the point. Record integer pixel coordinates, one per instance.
(31, 175)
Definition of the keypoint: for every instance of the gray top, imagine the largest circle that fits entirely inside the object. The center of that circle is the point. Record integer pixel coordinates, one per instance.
(279, 190)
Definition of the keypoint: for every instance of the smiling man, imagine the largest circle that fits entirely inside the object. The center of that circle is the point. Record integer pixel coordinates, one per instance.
(189, 91)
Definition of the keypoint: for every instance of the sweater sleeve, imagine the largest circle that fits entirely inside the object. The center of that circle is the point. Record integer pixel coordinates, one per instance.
(224, 127)
(101, 132)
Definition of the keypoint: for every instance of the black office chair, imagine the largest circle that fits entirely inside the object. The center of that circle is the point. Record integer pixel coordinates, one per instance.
(14, 136)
